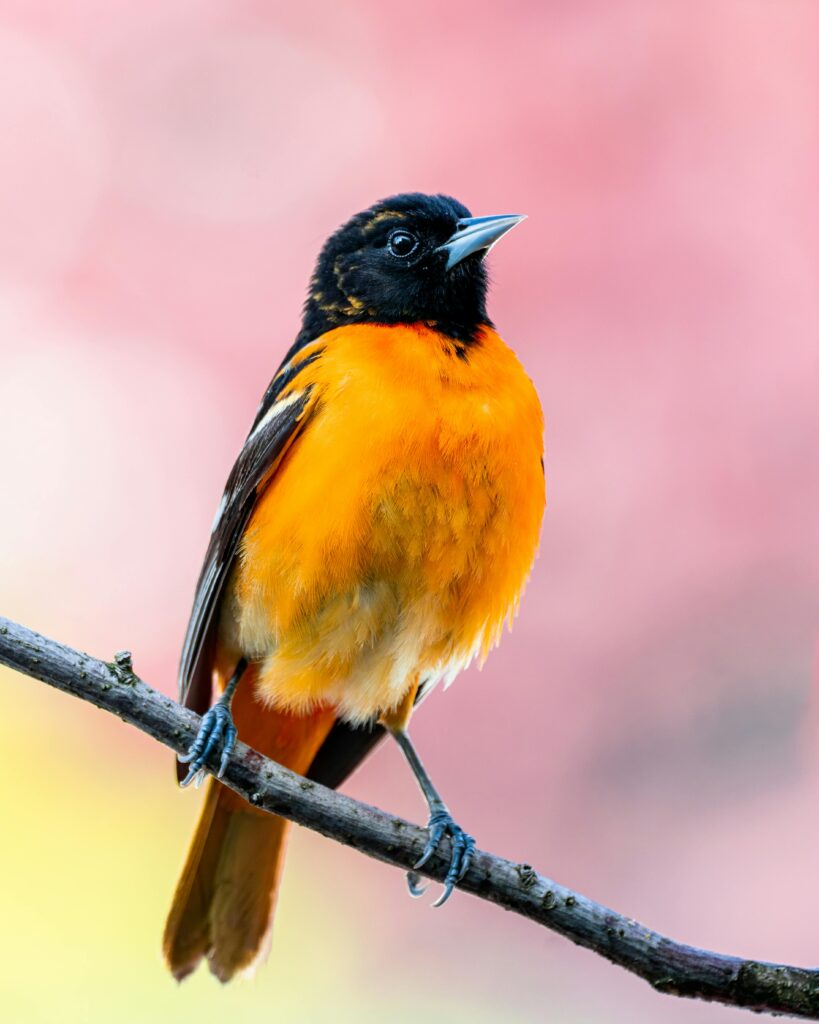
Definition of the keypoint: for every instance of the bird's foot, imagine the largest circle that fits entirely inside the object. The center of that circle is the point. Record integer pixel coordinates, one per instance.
(441, 823)
(217, 732)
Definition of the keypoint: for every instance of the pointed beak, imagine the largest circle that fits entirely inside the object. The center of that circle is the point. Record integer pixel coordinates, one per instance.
(475, 233)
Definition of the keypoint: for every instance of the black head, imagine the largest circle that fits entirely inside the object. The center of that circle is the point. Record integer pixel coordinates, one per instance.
(407, 259)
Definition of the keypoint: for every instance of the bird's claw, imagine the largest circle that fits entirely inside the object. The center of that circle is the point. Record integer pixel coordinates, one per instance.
(216, 731)
(414, 885)
(441, 823)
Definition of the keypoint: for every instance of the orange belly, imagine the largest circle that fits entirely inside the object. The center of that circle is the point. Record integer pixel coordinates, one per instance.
(395, 538)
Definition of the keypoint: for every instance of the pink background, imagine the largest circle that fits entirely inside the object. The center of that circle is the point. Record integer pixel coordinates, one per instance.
(648, 733)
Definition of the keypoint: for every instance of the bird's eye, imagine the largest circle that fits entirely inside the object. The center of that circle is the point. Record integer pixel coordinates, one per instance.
(402, 243)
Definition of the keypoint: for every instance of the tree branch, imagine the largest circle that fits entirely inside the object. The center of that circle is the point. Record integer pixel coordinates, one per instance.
(668, 966)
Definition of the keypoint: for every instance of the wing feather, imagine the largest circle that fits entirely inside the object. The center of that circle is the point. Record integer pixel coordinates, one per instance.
(278, 421)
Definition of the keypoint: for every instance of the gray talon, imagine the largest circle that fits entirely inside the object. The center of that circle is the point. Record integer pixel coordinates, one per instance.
(230, 743)
(441, 823)
(414, 885)
(217, 733)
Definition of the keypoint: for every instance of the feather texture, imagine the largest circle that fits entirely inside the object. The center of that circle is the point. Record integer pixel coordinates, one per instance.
(277, 422)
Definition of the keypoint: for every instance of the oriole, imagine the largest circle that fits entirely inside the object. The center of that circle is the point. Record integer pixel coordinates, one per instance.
(374, 536)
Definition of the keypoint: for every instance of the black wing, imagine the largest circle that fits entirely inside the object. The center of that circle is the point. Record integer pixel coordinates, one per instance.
(343, 751)
(277, 422)
(346, 747)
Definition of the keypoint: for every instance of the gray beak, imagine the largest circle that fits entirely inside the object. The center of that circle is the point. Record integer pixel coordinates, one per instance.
(475, 233)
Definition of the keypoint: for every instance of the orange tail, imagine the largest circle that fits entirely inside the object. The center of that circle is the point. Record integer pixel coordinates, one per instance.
(224, 901)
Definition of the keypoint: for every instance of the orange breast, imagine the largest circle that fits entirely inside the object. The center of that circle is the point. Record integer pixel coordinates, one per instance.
(397, 534)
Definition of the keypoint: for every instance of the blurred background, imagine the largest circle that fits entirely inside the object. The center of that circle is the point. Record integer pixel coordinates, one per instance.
(649, 733)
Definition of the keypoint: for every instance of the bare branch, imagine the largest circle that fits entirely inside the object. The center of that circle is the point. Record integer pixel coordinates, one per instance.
(668, 966)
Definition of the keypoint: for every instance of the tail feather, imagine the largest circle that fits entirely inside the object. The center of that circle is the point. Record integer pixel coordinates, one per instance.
(241, 910)
(223, 906)
(224, 901)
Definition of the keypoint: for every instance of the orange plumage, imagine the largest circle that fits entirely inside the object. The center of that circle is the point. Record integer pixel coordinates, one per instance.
(388, 543)
(397, 534)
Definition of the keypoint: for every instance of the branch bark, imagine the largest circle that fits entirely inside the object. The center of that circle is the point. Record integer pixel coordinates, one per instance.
(670, 967)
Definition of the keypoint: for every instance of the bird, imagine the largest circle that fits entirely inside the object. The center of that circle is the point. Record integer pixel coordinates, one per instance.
(373, 539)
